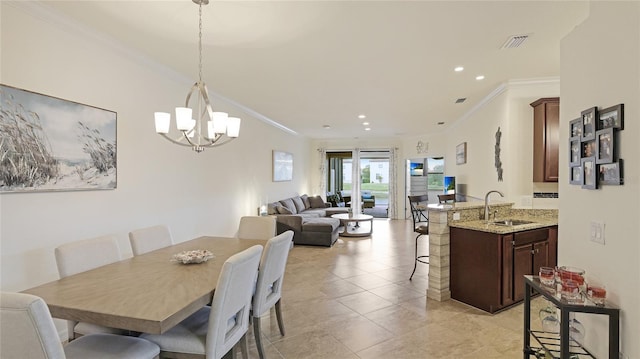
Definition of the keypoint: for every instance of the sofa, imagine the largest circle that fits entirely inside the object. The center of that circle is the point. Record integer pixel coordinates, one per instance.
(309, 218)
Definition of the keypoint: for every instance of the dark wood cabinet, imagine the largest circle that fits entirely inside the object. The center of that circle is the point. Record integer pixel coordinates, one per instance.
(488, 269)
(546, 122)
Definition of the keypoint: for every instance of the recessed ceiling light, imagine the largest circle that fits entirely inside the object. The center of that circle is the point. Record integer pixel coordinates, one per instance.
(362, 116)
(480, 77)
(326, 127)
(367, 129)
(458, 69)
(365, 124)
(440, 123)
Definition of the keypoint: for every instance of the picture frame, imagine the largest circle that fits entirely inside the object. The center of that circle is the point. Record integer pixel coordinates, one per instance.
(611, 173)
(611, 117)
(605, 146)
(589, 123)
(589, 178)
(575, 128)
(55, 144)
(588, 148)
(575, 152)
(282, 166)
(575, 175)
(461, 153)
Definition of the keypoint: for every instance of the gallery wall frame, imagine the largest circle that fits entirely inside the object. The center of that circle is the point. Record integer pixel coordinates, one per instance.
(611, 117)
(589, 178)
(605, 146)
(282, 166)
(611, 173)
(589, 123)
(461, 153)
(52, 144)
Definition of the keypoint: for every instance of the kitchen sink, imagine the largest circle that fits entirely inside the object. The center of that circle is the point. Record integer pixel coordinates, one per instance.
(511, 222)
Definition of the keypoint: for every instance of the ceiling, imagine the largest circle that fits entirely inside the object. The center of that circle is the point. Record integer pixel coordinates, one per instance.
(305, 64)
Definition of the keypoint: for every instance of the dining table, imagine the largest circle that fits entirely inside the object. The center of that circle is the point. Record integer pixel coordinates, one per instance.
(148, 293)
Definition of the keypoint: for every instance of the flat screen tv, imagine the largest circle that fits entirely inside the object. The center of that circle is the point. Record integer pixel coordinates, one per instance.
(449, 184)
(416, 169)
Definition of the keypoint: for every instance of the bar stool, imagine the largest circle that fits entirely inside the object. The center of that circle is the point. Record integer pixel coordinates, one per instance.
(417, 214)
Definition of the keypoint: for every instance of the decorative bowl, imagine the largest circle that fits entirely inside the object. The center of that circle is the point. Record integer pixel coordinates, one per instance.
(193, 256)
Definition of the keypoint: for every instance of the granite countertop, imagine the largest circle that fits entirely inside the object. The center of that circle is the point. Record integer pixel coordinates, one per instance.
(481, 225)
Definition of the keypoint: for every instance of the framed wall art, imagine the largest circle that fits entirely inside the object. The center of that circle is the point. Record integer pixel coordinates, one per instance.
(589, 178)
(611, 117)
(605, 146)
(611, 173)
(51, 144)
(575, 128)
(282, 166)
(589, 123)
(574, 151)
(461, 153)
(575, 175)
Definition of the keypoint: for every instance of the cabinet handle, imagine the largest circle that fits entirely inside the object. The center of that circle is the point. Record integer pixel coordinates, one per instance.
(533, 251)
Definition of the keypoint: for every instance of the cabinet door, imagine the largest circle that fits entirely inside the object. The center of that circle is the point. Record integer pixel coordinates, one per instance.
(546, 118)
(522, 264)
(507, 269)
(541, 256)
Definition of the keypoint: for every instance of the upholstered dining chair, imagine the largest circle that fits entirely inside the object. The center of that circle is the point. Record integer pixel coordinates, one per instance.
(81, 256)
(418, 227)
(269, 285)
(27, 331)
(257, 227)
(149, 239)
(213, 331)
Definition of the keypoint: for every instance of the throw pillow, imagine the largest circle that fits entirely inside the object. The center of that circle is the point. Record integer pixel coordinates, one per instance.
(282, 209)
(316, 202)
(299, 204)
(289, 204)
(305, 200)
(271, 208)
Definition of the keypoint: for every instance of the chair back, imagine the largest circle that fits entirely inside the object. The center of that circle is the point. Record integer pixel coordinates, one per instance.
(27, 329)
(444, 198)
(81, 256)
(417, 214)
(257, 227)
(149, 239)
(229, 316)
(271, 273)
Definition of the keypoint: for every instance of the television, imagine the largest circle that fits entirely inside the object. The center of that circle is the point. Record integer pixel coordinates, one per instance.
(416, 169)
(450, 184)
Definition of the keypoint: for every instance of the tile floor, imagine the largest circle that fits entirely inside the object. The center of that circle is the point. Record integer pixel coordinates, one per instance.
(355, 300)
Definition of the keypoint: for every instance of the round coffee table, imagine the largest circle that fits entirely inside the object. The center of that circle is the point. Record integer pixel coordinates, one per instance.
(354, 219)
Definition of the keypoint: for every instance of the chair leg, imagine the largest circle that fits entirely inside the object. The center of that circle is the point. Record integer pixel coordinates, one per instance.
(415, 262)
(258, 335)
(279, 317)
(244, 346)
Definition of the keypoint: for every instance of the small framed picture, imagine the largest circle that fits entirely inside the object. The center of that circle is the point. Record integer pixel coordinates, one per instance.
(605, 146)
(461, 153)
(611, 117)
(575, 128)
(575, 175)
(611, 173)
(589, 148)
(574, 151)
(589, 123)
(589, 178)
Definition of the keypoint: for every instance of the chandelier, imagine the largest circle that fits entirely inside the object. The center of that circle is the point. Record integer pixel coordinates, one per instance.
(208, 128)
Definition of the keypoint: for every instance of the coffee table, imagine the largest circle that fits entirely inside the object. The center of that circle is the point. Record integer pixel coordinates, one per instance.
(356, 229)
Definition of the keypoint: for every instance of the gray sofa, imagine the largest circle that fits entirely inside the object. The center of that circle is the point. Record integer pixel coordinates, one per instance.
(309, 218)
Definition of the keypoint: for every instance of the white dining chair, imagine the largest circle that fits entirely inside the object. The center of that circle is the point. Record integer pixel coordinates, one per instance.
(27, 331)
(257, 227)
(149, 239)
(81, 256)
(269, 285)
(213, 331)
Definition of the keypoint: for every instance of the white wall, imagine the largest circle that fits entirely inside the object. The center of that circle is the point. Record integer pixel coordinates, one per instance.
(158, 182)
(600, 66)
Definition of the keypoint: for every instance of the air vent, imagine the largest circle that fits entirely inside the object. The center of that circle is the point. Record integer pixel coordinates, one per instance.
(461, 100)
(514, 41)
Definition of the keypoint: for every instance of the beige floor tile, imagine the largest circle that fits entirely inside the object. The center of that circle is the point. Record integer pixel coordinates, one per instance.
(396, 293)
(364, 302)
(368, 281)
(311, 345)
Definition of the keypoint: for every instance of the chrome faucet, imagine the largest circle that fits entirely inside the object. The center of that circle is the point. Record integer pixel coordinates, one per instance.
(486, 204)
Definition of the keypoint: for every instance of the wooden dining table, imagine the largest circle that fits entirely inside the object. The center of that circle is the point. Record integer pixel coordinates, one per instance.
(148, 293)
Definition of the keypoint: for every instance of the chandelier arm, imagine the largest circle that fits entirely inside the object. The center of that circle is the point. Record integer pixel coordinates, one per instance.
(175, 141)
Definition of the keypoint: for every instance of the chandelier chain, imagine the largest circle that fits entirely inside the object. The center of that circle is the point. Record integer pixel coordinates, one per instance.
(200, 45)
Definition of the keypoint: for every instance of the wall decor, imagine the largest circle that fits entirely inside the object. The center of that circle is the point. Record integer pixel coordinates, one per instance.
(611, 173)
(574, 151)
(422, 147)
(282, 166)
(461, 153)
(589, 123)
(497, 161)
(575, 128)
(605, 146)
(589, 178)
(575, 174)
(611, 117)
(51, 144)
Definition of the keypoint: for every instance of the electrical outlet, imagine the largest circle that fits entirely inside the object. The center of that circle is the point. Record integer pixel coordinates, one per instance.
(597, 232)
(527, 201)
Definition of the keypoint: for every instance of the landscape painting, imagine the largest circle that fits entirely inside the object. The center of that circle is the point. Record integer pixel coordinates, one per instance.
(51, 144)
